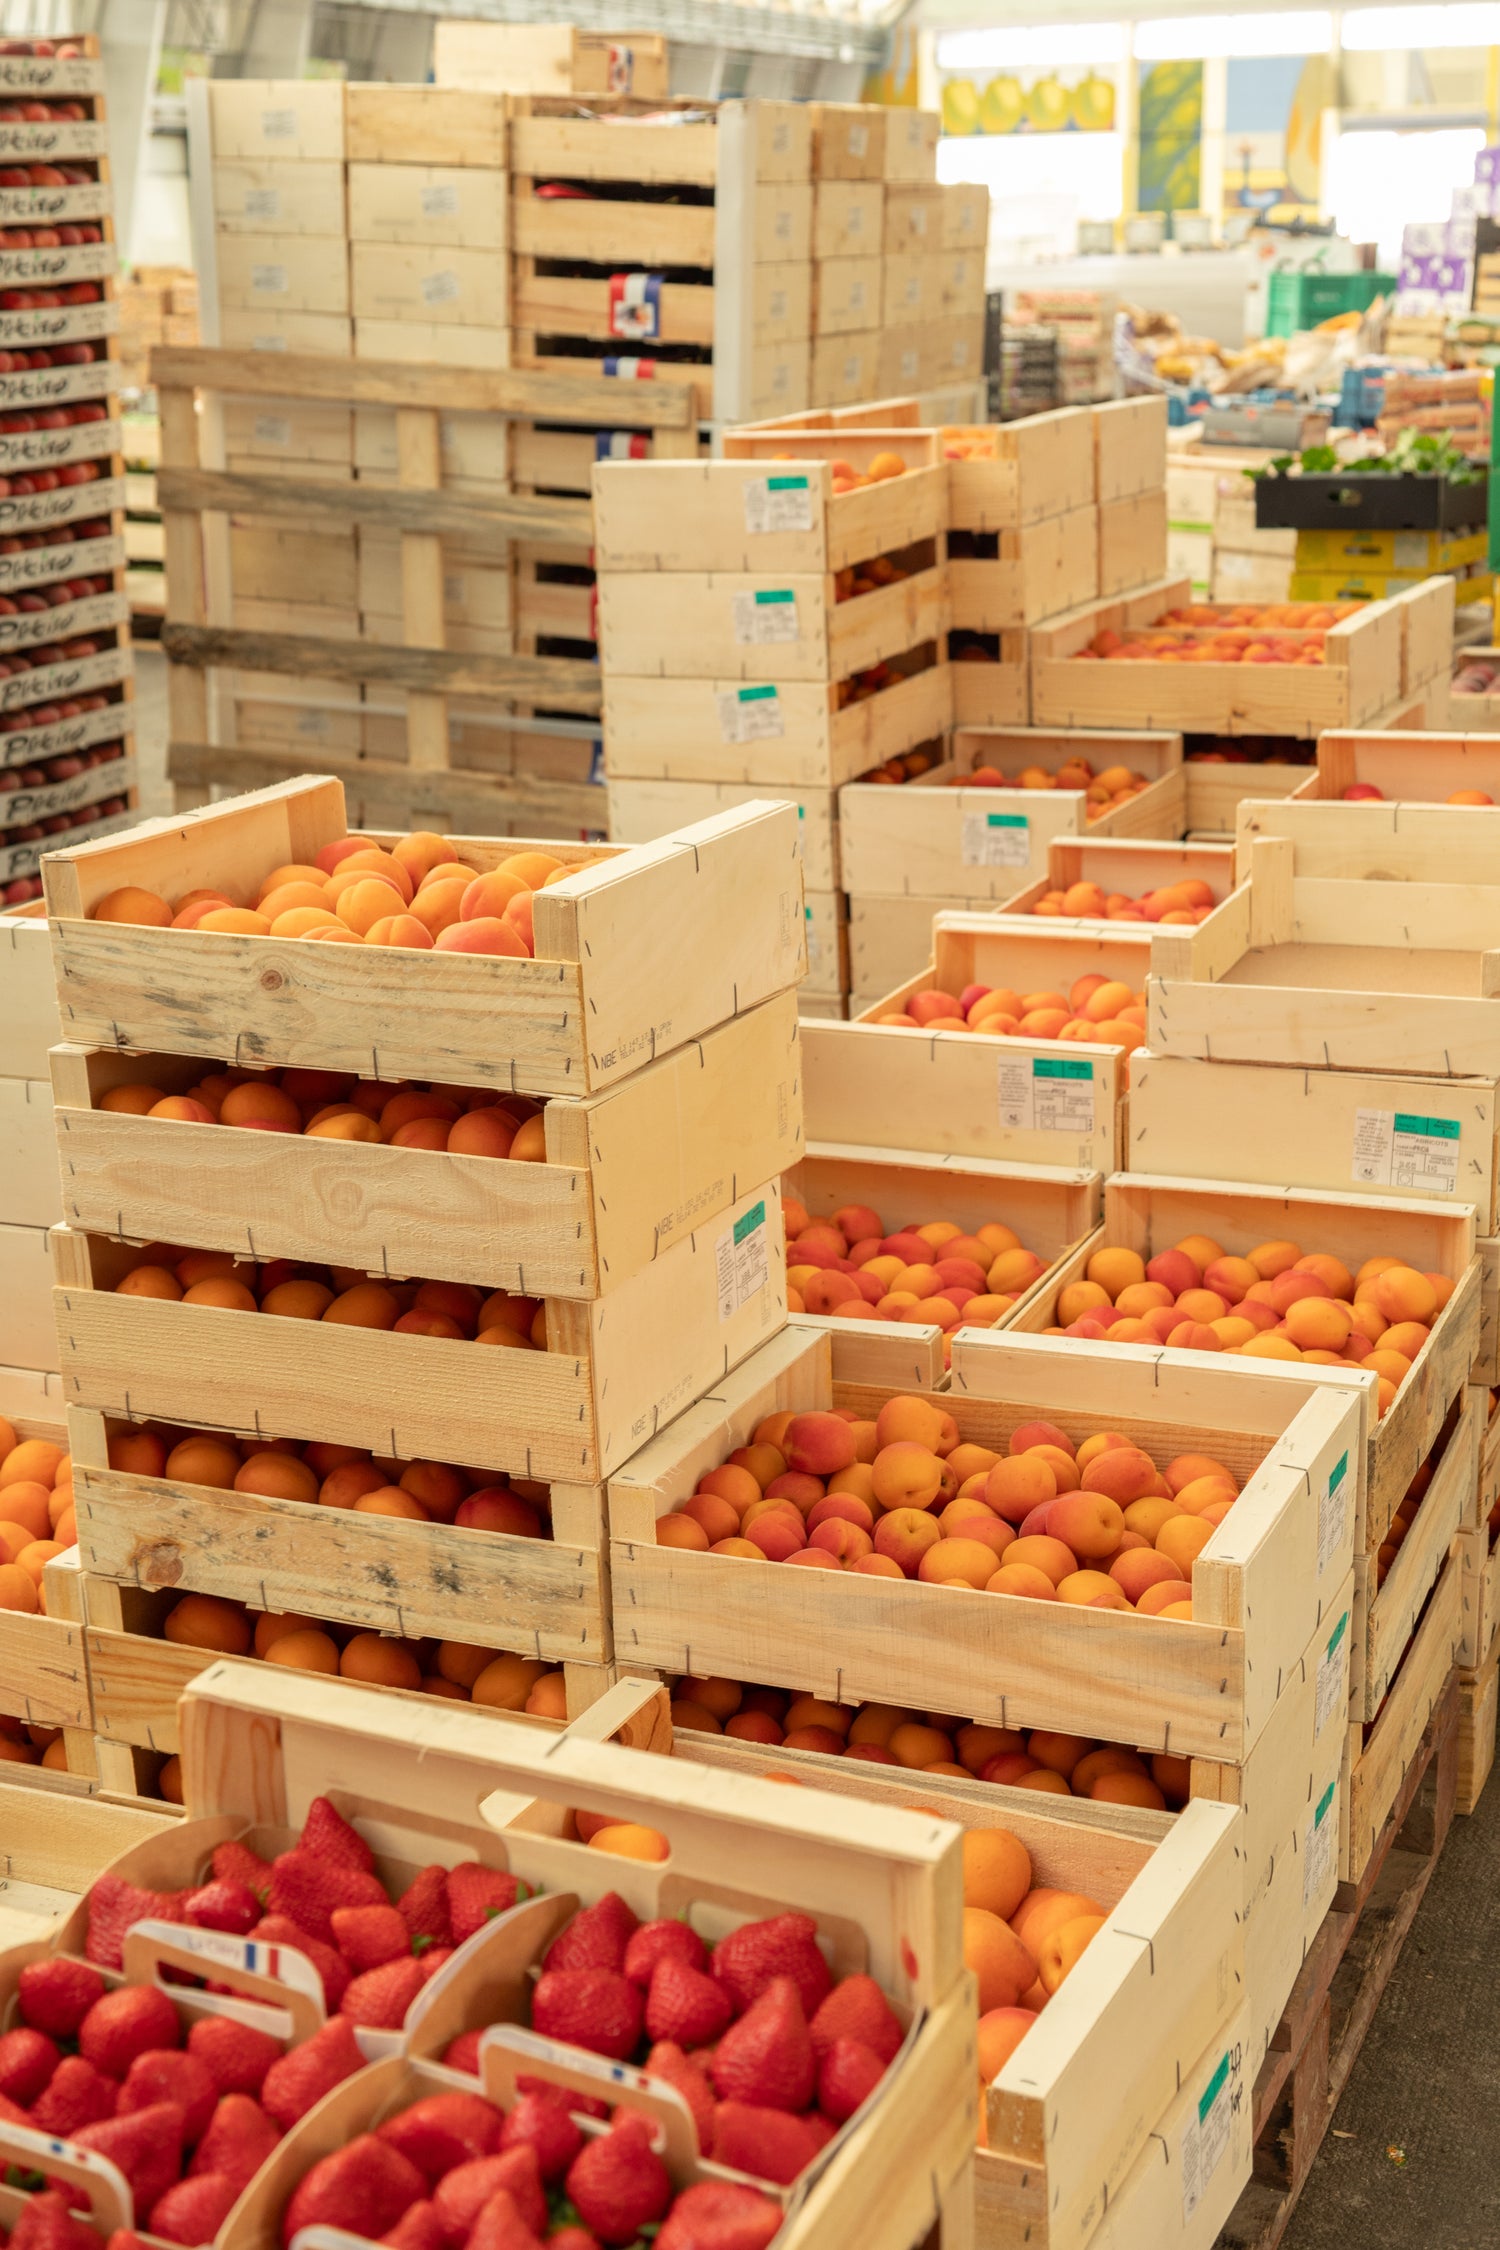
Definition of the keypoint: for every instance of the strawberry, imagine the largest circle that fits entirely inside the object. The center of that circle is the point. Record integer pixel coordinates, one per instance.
(239, 2138)
(236, 1863)
(423, 1906)
(381, 1997)
(460, 2197)
(222, 1905)
(685, 2006)
(433, 1960)
(78, 2095)
(332, 1968)
(594, 1939)
(767, 2058)
(364, 2188)
(546, 2127)
(766, 2142)
(848, 2075)
(298, 2079)
(593, 2008)
(56, 1995)
(27, 2061)
(618, 2184)
(48, 2224)
(417, 2229)
(784, 1946)
(194, 2210)
(661, 1941)
(171, 2077)
(577, 2105)
(720, 2215)
(462, 2053)
(444, 2130)
(369, 1936)
(307, 1889)
(857, 2009)
(125, 2023)
(500, 2226)
(11, 2113)
(668, 2062)
(572, 2238)
(147, 2146)
(819, 2128)
(327, 1835)
(235, 2055)
(115, 1906)
(476, 1895)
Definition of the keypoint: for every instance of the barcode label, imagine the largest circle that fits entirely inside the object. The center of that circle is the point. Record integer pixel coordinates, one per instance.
(767, 614)
(1044, 1096)
(996, 840)
(440, 288)
(268, 281)
(263, 203)
(278, 124)
(439, 202)
(750, 714)
(742, 1260)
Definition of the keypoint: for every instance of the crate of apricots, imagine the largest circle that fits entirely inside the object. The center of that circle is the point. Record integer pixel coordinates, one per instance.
(1329, 1285)
(1066, 1558)
(42, 1670)
(561, 975)
(1111, 880)
(1157, 658)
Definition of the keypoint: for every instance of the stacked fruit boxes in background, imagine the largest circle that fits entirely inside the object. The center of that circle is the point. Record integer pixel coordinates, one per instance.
(158, 305)
(1084, 323)
(1212, 537)
(640, 1289)
(30, 1199)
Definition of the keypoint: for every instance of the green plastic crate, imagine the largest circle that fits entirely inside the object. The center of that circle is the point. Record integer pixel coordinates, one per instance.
(1301, 300)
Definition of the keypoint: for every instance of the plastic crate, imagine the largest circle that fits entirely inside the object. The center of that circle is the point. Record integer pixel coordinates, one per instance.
(1301, 300)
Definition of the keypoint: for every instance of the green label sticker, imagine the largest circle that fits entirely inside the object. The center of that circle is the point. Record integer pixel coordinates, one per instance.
(1338, 1472)
(1338, 1633)
(786, 484)
(1213, 2089)
(1430, 1128)
(1048, 1069)
(757, 695)
(773, 594)
(1006, 820)
(1323, 1804)
(748, 1221)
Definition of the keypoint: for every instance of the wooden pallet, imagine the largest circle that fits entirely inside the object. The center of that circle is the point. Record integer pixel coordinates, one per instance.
(1335, 1997)
(1478, 1708)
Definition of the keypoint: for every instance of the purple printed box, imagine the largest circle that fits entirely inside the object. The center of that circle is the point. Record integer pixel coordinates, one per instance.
(1487, 166)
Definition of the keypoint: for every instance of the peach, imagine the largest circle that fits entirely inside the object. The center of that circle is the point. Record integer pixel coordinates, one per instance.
(965, 1562)
(1092, 1589)
(906, 1476)
(1183, 1540)
(1122, 1473)
(1141, 1568)
(1090, 1523)
(1040, 1551)
(905, 1535)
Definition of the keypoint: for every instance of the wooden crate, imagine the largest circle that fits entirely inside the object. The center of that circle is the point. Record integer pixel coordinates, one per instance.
(1479, 1558)
(1128, 867)
(937, 839)
(1033, 573)
(1379, 1756)
(28, 1336)
(642, 810)
(573, 1017)
(1130, 447)
(848, 219)
(1416, 773)
(1024, 954)
(733, 626)
(1015, 474)
(43, 1673)
(768, 508)
(1375, 1133)
(991, 680)
(1478, 1706)
(58, 1840)
(1387, 1614)
(418, 125)
(28, 1154)
(1132, 540)
(680, 1611)
(1148, 1214)
(550, 59)
(889, 940)
(616, 1369)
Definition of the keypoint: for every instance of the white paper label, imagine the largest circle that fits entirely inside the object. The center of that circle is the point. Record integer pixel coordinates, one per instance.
(856, 296)
(996, 840)
(783, 226)
(767, 614)
(779, 504)
(440, 288)
(1409, 550)
(750, 714)
(1332, 1690)
(1205, 2135)
(778, 304)
(1318, 1844)
(1333, 1512)
(859, 139)
(1395, 1148)
(262, 203)
(440, 202)
(273, 429)
(278, 124)
(741, 1259)
(268, 281)
(1045, 1096)
(856, 222)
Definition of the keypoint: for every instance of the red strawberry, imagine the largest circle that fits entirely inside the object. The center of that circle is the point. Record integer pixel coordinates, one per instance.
(235, 2055)
(433, 1959)
(327, 1835)
(171, 2077)
(11, 2113)
(668, 2062)
(115, 1906)
(236, 1863)
(685, 2006)
(307, 1889)
(819, 2128)
(545, 2126)
(766, 2142)
(848, 2075)
(444, 2130)
(500, 2226)
(48, 2224)
(296, 2080)
(381, 1997)
(78, 2095)
(767, 2059)
(222, 1905)
(593, 2008)
(663, 1941)
(240, 2137)
(418, 2229)
(126, 2023)
(194, 2210)
(27, 2061)
(720, 2215)
(857, 2009)
(56, 1995)
(364, 2188)
(462, 2053)
(594, 1939)
(476, 1895)
(577, 2105)
(331, 1966)
(618, 2184)
(785, 1946)
(369, 1936)
(463, 2194)
(423, 1906)
(572, 2238)
(147, 2146)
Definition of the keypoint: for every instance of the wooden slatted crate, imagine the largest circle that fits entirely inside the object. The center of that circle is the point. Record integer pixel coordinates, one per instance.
(1000, 579)
(1388, 1611)
(1123, 867)
(641, 810)
(1478, 1709)
(1380, 1753)
(58, 1839)
(1417, 774)
(43, 1673)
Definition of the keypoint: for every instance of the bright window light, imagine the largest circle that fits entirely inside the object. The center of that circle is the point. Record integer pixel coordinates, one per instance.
(1468, 24)
(1042, 184)
(1377, 182)
(1041, 46)
(1186, 38)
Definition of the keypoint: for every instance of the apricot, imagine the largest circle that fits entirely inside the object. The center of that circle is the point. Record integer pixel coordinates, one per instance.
(680, 1530)
(150, 1281)
(134, 905)
(999, 1959)
(997, 1870)
(904, 1420)
(1403, 1294)
(1001, 2031)
(204, 1460)
(1044, 1910)
(1092, 1589)
(205, 1621)
(276, 1476)
(1183, 1540)
(1131, 1788)
(1064, 1946)
(487, 934)
(1015, 1486)
(1122, 1473)
(1023, 1580)
(506, 1681)
(906, 1476)
(1206, 1492)
(366, 1305)
(1090, 1523)
(1027, 1436)
(1112, 1758)
(1229, 1278)
(1140, 1568)
(958, 1561)
(131, 1101)
(904, 1535)
(1406, 1337)
(1272, 1258)
(1043, 1553)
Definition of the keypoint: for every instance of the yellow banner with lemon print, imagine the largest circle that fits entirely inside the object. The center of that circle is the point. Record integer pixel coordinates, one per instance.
(1028, 101)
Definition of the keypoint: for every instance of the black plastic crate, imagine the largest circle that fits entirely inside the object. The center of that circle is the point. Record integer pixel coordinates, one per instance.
(1368, 502)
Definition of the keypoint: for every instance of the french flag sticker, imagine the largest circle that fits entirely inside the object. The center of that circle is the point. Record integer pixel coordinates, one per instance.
(635, 306)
